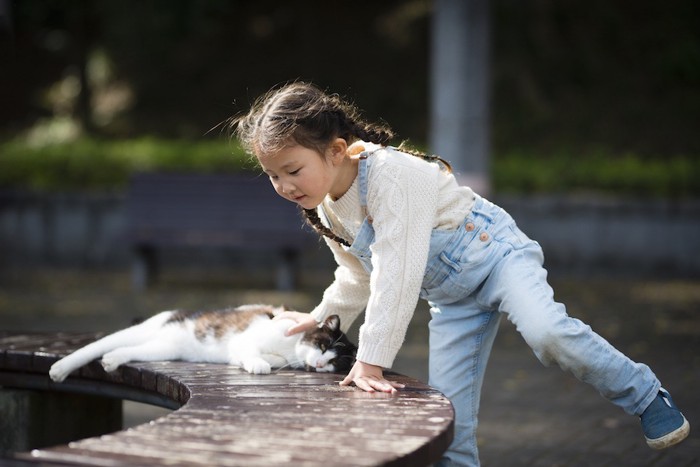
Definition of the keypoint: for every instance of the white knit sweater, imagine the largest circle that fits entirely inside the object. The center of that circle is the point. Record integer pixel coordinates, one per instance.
(407, 198)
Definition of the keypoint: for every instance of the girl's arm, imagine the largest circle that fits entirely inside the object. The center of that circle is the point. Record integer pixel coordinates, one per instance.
(402, 199)
(345, 297)
(348, 294)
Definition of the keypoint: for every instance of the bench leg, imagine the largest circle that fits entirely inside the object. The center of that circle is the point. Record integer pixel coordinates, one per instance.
(287, 270)
(35, 419)
(144, 268)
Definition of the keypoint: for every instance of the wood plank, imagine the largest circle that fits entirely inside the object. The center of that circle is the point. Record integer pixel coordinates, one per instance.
(230, 417)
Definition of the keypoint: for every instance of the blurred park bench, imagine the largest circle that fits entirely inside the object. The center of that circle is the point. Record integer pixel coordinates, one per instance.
(240, 211)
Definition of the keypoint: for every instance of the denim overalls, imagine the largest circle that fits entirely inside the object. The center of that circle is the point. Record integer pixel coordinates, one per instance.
(475, 273)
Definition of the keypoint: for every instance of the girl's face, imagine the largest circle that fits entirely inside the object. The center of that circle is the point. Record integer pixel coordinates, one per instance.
(302, 175)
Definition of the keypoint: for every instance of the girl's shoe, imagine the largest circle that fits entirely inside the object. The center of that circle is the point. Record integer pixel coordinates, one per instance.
(663, 424)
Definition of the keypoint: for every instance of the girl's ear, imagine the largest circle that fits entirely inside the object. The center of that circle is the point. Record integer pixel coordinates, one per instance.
(337, 150)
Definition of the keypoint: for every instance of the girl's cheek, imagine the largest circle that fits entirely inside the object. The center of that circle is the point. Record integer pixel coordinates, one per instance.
(277, 187)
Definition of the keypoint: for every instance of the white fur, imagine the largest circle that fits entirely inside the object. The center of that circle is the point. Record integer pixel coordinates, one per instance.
(313, 357)
(259, 348)
(131, 336)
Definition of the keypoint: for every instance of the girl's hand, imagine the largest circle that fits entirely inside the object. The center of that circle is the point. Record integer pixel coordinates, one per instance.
(304, 321)
(370, 378)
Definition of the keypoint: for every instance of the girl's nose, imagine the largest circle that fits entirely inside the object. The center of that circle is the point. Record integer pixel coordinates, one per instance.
(288, 188)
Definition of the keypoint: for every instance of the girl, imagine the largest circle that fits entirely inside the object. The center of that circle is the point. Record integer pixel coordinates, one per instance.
(400, 227)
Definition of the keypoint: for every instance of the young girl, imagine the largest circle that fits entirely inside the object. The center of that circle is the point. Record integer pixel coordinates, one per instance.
(400, 227)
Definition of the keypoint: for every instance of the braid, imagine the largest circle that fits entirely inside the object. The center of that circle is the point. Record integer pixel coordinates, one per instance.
(428, 157)
(371, 133)
(382, 135)
(315, 222)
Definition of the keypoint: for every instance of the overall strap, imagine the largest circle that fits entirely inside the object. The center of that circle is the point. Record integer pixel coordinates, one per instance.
(362, 174)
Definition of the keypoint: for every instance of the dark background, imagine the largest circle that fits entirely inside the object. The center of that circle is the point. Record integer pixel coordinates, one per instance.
(613, 74)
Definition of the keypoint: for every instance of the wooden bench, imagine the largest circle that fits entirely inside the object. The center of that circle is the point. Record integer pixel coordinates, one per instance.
(225, 416)
(166, 210)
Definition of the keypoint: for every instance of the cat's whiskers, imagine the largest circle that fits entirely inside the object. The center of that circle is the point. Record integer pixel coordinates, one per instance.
(337, 342)
(288, 365)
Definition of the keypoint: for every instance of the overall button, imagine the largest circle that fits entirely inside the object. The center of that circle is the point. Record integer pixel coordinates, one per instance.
(469, 227)
(484, 236)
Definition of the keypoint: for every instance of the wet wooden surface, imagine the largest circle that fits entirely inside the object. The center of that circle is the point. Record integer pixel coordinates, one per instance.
(226, 416)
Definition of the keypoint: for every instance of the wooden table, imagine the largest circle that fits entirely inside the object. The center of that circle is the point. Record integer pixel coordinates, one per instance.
(225, 416)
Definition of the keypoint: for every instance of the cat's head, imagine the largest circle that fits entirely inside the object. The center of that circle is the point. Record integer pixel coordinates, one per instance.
(326, 348)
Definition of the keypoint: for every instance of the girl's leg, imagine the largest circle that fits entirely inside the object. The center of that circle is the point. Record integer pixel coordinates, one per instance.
(518, 286)
(461, 337)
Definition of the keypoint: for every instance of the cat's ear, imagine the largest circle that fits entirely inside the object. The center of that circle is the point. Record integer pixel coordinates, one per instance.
(332, 323)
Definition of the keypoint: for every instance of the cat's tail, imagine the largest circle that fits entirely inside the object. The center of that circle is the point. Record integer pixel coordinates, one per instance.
(127, 337)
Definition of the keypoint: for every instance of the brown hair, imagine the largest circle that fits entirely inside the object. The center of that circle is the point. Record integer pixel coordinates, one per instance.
(301, 113)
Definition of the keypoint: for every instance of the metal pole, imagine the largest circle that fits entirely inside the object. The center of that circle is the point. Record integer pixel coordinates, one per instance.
(459, 89)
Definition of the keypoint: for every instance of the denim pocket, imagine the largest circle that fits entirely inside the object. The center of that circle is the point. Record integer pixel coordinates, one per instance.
(440, 264)
(470, 261)
(452, 252)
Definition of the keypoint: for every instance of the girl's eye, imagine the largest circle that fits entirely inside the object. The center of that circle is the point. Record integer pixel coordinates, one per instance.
(294, 172)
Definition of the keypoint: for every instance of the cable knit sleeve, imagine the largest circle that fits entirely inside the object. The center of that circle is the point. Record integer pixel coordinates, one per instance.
(347, 295)
(402, 200)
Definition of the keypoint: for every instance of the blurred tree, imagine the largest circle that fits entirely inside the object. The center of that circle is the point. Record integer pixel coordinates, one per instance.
(207, 60)
(84, 24)
(597, 73)
(564, 73)
(5, 26)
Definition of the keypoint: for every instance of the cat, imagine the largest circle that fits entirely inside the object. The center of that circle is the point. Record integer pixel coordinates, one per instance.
(245, 336)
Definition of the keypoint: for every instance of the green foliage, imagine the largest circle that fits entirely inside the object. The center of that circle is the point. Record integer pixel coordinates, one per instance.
(90, 164)
(94, 164)
(600, 171)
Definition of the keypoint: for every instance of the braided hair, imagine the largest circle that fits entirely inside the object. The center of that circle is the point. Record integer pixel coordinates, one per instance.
(302, 114)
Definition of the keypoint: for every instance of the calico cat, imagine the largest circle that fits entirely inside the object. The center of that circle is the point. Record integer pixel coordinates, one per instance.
(245, 336)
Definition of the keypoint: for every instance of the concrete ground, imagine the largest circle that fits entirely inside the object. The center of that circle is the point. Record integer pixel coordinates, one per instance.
(530, 415)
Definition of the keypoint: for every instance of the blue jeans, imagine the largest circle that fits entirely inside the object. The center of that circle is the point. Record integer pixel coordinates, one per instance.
(488, 268)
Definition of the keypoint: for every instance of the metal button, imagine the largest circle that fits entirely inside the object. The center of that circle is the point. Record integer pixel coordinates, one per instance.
(484, 236)
(469, 227)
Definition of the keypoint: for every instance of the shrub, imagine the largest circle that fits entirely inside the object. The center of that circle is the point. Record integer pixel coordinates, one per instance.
(600, 171)
(93, 164)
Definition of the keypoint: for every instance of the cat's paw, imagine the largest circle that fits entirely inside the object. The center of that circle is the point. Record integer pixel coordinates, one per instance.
(257, 366)
(59, 371)
(110, 362)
